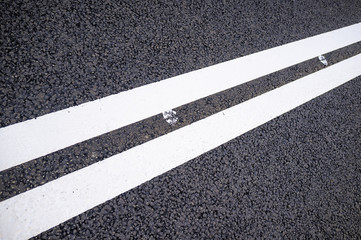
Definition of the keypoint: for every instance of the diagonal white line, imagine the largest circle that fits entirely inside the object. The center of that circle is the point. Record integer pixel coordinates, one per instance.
(30, 213)
(34, 138)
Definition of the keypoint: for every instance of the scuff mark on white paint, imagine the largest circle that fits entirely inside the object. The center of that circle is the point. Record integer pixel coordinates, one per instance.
(170, 117)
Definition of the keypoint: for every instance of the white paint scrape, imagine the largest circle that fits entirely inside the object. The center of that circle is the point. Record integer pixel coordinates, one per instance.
(39, 209)
(170, 117)
(323, 60)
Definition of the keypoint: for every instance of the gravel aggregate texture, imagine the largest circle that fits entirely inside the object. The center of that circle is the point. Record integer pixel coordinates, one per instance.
(52, 166)
(297, 176)
(57, 54)
(272, 182)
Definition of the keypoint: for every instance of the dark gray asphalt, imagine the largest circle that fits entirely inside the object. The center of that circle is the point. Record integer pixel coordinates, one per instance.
(295, 177)
(44, 169)
(56, 54)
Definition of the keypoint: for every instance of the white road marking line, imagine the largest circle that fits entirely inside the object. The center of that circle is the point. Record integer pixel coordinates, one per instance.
(37, 210)
(34, 138)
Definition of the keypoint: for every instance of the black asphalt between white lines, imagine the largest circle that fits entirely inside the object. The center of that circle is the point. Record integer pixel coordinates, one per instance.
(44, 169)
(272, 182)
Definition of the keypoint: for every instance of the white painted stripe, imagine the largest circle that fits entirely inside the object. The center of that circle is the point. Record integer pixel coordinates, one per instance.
(31, 139)
(41, 208)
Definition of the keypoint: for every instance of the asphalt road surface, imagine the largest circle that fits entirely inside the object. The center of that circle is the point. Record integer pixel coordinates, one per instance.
(297, 176)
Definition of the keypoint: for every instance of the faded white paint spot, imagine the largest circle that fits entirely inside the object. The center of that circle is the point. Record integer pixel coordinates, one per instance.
(323, 60)
(170, 117)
